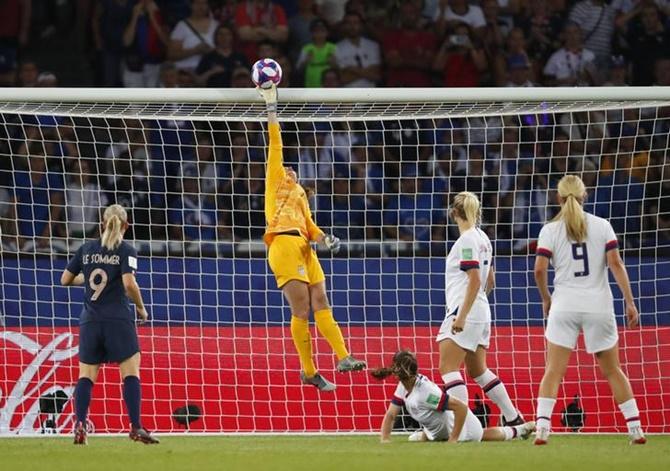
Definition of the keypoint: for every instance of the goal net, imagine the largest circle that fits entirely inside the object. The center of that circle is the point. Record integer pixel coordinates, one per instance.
(217, 354)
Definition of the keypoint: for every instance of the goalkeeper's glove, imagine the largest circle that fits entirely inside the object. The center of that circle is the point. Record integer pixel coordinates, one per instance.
(332, 243)
(270, 97)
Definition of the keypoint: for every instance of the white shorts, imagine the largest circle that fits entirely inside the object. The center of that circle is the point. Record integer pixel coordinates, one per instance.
(474, 333)
(472, 429)
(600, 329)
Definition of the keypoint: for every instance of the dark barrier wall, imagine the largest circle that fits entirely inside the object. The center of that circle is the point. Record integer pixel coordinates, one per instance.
(372, 290)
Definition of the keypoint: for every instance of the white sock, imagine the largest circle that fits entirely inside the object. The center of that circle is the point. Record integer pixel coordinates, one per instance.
(455, 386)
(510, 433)
(631, 413)
(545, 407)
(497, 392)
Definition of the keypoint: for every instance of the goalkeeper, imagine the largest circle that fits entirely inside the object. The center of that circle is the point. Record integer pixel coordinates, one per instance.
(299, 275)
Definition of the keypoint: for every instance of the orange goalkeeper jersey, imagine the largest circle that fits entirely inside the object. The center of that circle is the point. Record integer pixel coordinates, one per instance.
(286, 206)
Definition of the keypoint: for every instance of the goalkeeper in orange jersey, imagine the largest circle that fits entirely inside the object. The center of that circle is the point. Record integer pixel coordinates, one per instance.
(290, 229)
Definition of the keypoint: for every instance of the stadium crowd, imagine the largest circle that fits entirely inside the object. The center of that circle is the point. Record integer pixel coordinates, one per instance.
(204, 181)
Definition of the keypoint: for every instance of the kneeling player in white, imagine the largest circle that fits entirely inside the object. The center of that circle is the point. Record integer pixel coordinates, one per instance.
(581, 247)
(465, 333)
(442, 417)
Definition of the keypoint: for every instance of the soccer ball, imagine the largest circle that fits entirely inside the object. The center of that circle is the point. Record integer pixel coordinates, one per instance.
(265, 72)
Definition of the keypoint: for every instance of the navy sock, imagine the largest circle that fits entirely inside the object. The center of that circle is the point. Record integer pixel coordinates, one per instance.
(82, 398)
(132, 395)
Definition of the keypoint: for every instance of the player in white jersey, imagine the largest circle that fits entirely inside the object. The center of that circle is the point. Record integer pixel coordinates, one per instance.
(580, 247)
(442, 417)
(466, 329)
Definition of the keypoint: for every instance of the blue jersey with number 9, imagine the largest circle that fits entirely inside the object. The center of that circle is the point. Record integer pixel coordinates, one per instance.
(103, 269)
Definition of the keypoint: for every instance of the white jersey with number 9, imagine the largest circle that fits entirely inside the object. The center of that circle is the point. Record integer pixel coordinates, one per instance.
(580, 281)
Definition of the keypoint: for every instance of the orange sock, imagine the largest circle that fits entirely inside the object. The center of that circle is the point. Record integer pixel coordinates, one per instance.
(302, 340)
(331, 332)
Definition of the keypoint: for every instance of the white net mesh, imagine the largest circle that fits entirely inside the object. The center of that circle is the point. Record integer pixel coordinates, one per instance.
(218, 355)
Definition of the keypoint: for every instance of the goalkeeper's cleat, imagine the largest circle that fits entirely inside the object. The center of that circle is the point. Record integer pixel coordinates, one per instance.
(140, 434)
(350, 364)
(525, 430)
(317, 381)
(417, 436)
(541, 436)
(80, 434)
(636, 436)
(512, 423)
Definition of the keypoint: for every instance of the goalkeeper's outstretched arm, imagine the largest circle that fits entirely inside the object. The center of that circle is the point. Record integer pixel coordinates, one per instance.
(275, 172)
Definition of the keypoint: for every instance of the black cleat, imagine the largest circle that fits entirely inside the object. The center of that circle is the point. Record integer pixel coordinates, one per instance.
(518, 421)
(142, 435)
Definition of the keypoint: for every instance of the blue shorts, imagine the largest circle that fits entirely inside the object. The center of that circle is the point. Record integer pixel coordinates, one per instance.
(107, 341)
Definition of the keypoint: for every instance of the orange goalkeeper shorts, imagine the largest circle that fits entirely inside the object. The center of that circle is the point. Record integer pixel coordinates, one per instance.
(292, 258)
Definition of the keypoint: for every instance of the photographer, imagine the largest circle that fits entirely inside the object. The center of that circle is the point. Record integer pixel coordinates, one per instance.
(145, 40)
(461, 60)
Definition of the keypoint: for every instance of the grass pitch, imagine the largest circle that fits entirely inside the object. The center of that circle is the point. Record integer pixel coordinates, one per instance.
(341, 453)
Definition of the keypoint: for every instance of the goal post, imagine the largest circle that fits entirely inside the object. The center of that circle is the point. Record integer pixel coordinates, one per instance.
(189, 166)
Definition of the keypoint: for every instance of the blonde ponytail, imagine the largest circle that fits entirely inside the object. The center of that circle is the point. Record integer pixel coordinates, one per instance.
(113, 221)
(467, 207)
(572, 191)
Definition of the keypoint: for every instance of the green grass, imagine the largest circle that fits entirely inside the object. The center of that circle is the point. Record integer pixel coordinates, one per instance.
(341, 453)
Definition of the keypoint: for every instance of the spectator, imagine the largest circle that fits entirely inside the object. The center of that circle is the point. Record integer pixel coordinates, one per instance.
(518, 71)
(344, 210)
(300, 28)
(129, 184)
(8, 221)
(596, 20)
(109, 21)
(185, 78)
(460, 59)
(330, 78)
(216, 67)
(647, 45)
(192, 37)
(241, 77)
(451, 13)
(168, 76)
(145, 39)
(208, 169)
(332, 11)
(46, 79)
(474, 177)
(39, 201)
(529, 212)
(542, 26)
(192, 216)
(412, 216)
(618, 73)
(662, 72)
(223, 11)
(493, 39)
(358, 58)
(83, 200)
(657, 201)
(572, 64)
(408, 50)
(619, 199)
(247, 203)
(316, 56)
(28, 73)
(259, 20)
(14, 35)
(515, 45)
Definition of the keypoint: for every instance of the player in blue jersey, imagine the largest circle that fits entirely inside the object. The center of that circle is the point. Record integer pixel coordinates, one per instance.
(107, 334)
